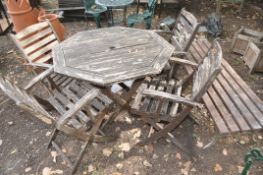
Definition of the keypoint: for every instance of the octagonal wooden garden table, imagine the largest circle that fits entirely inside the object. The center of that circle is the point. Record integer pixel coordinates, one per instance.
(112, 55)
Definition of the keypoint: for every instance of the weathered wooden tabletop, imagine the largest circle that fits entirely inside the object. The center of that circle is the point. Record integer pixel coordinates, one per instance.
(109, 55)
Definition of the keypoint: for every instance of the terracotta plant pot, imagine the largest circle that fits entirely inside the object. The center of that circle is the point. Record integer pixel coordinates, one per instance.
(22, 14)
(55, 23)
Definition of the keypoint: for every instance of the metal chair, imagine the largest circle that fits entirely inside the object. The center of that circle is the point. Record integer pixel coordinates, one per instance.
(251, 156)
(145, 17)
(94, 10)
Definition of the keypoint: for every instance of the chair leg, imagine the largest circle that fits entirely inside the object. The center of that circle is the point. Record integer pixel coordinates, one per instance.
(130, 24)
(80, 156)
(148, 24)
(53, 137)
(97, 20)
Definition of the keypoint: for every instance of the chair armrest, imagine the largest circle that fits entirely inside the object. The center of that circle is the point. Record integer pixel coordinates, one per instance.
(170, 97)
(78, 105)
(38, 78)
(183, 61)
(41, 65)
(179, 53)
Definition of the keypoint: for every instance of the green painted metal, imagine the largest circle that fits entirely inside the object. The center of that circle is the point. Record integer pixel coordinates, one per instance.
(94, 10)
(145, 17)
(252, 155)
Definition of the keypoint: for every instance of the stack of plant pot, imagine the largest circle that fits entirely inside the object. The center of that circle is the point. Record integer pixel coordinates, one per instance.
(24, 15)
(55, 23)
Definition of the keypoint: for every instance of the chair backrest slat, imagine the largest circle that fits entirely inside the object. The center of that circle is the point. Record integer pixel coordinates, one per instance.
(207, 71)
(36, 42)
(184, 31)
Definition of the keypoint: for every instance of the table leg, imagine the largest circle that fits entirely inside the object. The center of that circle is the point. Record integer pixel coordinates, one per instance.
(124, 15)
(121, 100)
(160, 10)
(110, 16)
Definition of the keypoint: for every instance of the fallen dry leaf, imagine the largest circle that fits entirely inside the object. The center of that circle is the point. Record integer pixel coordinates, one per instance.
(147, 164)
(46, 171)
(13, 151)
(199, 144)
(136, 133)
(224, 152)
(121, 155)
(119, 165)
(240, 169)
(116, 173)
(107, 152)
(187, 165)
(48, 133)
(125, 147)
(28, 169)
(178, 156)
(193, 170)
(49, 171)
(149, 148)
(184, 171)
(155, 156)
(218, 168)
(91, 168)
(54, 155)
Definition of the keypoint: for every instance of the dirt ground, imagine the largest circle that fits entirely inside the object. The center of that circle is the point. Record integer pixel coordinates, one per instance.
(23, 138)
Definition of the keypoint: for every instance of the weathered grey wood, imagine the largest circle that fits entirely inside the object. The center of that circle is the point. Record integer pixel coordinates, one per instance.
(204, 76)
(242, 38)
(183, 61)
(171, 97)
(36, 42)
(112, 55)
(185, 29)
(39, 78)
(233, 105)
(68, 106)
(253, 58)
(25, 101)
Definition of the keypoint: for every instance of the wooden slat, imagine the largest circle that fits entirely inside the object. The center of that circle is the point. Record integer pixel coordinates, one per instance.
(155, 102)
(36, 46)
(31, 29)
(43, 50)
(215, 114)
(226, 116)
(231, 106)
(174, 98)
(241, 83)
(43, 59)
(245, 107)
(35, 37)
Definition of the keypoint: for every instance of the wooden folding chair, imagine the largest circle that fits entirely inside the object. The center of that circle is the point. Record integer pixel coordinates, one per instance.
(184, 32)
(158, 99)
(36, 42)
(78, 108)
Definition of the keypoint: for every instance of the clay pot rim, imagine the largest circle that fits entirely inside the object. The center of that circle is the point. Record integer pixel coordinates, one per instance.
(50, 17)
(20, 12)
